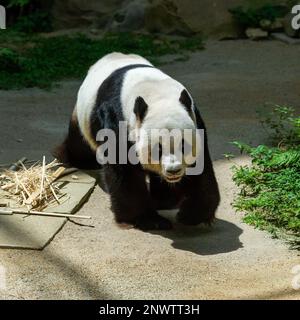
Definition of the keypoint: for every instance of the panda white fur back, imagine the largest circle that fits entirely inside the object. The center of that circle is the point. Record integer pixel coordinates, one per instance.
(128, 88)
(88, 91)
(159, 90)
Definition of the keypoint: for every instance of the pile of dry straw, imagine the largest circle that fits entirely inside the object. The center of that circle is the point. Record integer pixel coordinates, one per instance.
(33, 187)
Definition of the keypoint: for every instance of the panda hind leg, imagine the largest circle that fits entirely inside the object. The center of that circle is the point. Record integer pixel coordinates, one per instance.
(75, 151)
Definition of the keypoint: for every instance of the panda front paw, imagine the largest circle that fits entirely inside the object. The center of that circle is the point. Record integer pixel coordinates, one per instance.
(153, 222)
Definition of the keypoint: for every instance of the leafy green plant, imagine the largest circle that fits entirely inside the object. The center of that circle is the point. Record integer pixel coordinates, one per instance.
(251, 16)
(28, 16)
(35, 22)
(18, 3)
(9, 60)
(270, 187)
(282, 125)
(47, 60)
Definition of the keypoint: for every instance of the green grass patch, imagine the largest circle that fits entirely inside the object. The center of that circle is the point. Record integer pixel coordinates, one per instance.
(270, 187)
(33, 61)
(251, 16)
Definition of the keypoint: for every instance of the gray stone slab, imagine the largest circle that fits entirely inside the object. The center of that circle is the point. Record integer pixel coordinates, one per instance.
(35, 232)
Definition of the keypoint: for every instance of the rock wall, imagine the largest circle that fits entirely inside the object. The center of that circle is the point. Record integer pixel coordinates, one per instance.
(210, 17)
(84, 13)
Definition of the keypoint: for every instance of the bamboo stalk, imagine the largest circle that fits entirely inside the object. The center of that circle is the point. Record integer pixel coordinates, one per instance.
(25, 189)
(53, 191)
(9, 211)
(16, 166)
(8, 186)
(23, 195)
(43, 178)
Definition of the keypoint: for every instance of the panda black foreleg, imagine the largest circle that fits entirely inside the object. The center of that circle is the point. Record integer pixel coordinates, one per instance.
(130, 199)
(200, 192)
(163, 196)
(201, 198)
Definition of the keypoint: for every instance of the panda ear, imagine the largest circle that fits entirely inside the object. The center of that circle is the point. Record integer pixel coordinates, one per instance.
(186, 100)
(140, 108)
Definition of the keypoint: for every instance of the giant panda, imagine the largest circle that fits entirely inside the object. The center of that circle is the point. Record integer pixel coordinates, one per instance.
(121, 87)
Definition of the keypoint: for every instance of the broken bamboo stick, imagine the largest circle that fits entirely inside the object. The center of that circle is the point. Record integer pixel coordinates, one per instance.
(43, 177)
(10, 211)
(16, 166)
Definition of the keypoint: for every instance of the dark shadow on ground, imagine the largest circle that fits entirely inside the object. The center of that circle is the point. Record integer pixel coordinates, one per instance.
(222, 237)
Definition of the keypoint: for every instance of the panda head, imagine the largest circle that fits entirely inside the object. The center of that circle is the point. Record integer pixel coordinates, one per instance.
(165, 136)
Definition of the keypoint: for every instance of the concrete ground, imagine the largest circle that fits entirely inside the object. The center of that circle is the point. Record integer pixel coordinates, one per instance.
(230, 80)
